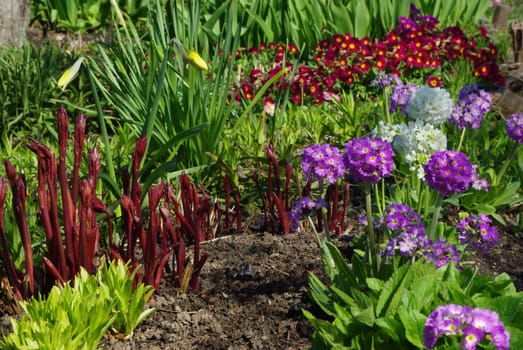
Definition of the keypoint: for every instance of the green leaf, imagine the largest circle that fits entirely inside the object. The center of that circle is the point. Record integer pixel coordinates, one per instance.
(267, 31)
(336, 267)
(366, 316)
(509, 308)
(321, 295)
(343, 297)
(375, 284)
(391, 327)
(516, 337)
(362, 20)
(391, 294)
(327, 332)
(413, 321)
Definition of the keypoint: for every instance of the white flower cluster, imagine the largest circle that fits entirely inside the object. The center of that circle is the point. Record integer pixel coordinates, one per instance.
(415, 141)
(431, 105)
(386, 131)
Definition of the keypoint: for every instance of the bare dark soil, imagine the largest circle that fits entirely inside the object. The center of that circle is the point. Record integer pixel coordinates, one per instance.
(254, 287)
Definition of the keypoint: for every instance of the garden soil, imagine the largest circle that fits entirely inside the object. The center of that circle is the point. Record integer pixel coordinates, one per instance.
(253, 292)
(254, 287)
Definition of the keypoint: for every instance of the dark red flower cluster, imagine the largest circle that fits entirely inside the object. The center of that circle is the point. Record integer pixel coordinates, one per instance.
(416, 46)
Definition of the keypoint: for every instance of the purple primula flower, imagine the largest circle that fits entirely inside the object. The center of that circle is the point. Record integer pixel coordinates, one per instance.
(407, 244)
(477, 183)
(368, 159)
(500, 337)
(382, 80)
(401, 217)
(441, 253)
(514, 127)
(473, 104)
(474, 325)
(401, 95)
(471, 337)
(302, 207)
(408, 236)
(484, 319)
(449, 172)
(477, 232)
(322, 162)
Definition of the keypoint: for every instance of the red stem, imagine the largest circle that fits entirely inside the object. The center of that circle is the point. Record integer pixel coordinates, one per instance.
(19, 200)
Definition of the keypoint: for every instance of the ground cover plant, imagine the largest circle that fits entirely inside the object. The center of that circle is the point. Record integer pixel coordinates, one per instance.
(205, 123)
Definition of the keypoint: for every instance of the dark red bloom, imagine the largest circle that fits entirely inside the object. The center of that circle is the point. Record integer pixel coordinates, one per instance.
(433, 81)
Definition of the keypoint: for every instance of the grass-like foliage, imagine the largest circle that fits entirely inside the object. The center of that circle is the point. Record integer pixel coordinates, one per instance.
(78, 314)
(152, 81)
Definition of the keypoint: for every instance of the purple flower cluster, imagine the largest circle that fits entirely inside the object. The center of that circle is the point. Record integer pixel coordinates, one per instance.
(408, 237)
(322, 162)
(383, 80)
(473, 104)
(302, 207)
(400, 217)
(477, 183)
(401, 95)
(514, 127)
(368, 159)
(474, 325)
(410, 242)
(449, 172)
(477, 232)
(441, 253)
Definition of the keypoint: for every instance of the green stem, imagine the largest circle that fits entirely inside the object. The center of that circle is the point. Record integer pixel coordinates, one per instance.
(462, 137)
(372, 251)
(386, 103)
(314, 231)
(506, 163)
(435, 217)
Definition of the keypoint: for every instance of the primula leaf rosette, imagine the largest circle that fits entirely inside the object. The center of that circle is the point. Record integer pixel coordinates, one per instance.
(368, 159)
(449, 172)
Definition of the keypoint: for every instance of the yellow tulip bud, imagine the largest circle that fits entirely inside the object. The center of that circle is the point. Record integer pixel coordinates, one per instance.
(196, 60)
(70, 73)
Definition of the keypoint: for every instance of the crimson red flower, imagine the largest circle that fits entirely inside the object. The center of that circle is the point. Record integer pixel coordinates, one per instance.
(296, 98)
(353, 44)
(381, 63)
(433, 81)
(314, 89)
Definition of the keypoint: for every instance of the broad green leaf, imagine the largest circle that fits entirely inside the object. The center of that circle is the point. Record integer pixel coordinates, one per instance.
(366, 316)
(516, 337)
(375, 284)
(362, 20)
(344, 297)
(336, 267)
(413, 321)
(391, 327)
(391, 293)
(328, 333)
(321, 295)
(343, 319)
